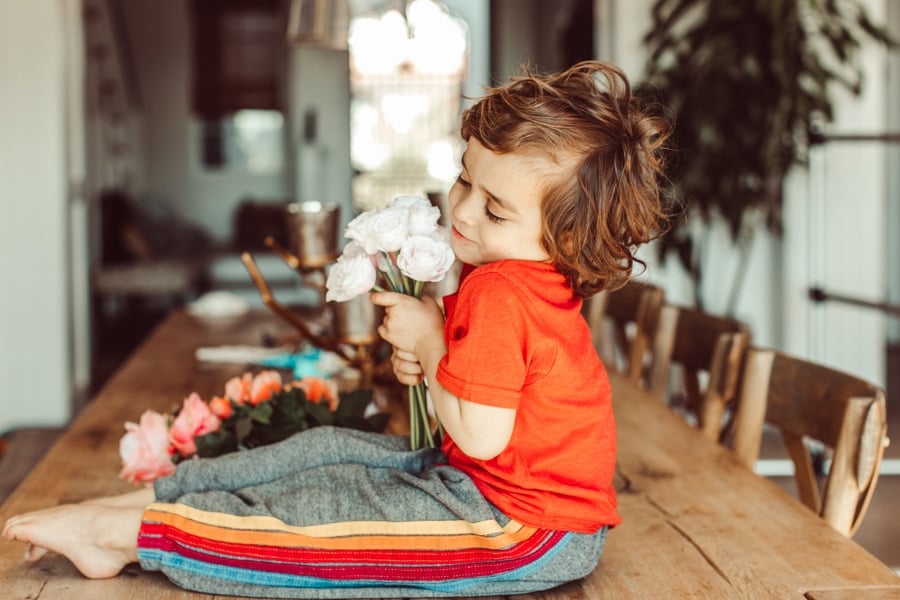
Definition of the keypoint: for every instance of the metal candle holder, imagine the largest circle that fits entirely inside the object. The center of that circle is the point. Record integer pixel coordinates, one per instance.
(313, 235)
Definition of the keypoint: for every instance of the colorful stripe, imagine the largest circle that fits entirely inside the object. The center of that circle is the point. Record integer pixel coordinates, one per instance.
(443, 556)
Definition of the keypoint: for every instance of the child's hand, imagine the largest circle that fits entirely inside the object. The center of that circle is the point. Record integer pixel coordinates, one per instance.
(407, 368)
(409, 324)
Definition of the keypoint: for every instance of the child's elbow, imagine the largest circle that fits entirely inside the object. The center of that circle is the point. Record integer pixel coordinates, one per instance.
(481, 449)
(488, 432)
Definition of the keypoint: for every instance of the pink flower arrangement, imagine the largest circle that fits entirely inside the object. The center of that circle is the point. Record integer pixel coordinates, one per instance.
(254, 410)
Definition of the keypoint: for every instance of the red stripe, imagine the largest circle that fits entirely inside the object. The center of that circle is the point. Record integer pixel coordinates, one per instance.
(376, 572)
(301, 554)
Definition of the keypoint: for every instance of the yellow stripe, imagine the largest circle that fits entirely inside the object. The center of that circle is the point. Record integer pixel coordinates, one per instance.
(360, 535)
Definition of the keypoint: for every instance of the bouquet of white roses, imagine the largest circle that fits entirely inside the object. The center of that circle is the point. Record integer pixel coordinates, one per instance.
(402, 244)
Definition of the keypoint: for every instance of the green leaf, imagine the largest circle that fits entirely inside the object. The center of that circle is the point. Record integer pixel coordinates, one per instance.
(262, 413)
(354, 404)
(319, 414)
(291, 405)
(215, 444)
(242, 429)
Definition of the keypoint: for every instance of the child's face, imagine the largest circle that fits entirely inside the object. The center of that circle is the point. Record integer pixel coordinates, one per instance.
(495, 207)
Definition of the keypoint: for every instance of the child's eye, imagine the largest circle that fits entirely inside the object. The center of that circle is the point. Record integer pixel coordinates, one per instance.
(463, 182)
(492, 216)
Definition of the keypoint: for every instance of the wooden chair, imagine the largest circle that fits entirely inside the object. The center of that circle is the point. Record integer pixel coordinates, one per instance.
(622, 325)
(807, 400)
(702, 348)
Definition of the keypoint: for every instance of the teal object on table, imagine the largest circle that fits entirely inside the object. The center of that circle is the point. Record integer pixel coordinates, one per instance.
(302, 364)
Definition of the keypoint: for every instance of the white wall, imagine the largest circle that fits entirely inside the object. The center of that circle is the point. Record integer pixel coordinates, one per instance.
(34, 228)
(323, 170)
(892, 167)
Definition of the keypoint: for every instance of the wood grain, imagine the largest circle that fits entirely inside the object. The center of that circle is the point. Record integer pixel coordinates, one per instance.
(697, 524)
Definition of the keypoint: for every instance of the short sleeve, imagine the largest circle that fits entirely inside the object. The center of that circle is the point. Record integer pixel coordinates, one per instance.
(486, 336)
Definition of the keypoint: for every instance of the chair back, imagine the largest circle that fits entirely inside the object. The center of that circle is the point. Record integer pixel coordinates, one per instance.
(708, 351)
(622, 325)
(808, 400)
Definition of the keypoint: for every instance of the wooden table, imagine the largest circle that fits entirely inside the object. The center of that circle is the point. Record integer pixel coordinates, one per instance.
(696, 524)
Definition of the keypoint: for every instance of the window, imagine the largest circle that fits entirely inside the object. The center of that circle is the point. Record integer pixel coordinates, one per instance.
(238, 57)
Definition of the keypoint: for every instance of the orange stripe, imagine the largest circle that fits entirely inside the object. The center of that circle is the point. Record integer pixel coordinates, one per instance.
(287, 536)
(263, 522)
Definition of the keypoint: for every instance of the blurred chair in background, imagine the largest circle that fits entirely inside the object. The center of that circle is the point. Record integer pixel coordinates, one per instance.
(623, 323)
(696, 365)
(810, 401)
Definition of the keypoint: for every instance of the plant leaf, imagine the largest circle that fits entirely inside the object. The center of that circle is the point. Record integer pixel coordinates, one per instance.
(242, 429)
(354, 403)
(215, 443)
(262, 413)
(318, 414)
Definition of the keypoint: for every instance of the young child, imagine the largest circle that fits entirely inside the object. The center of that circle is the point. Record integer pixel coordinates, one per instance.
(558, 188)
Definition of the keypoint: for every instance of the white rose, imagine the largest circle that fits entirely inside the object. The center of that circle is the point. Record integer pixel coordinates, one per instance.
(349, 277)
(358, 231)
(423, 219)
(352, 250)
(406, 202)
(425, 258)
(380, 230)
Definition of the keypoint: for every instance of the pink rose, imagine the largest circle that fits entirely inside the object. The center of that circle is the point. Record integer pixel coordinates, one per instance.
(145, 449)
(237, 389)
(264, 385)
(194, 419)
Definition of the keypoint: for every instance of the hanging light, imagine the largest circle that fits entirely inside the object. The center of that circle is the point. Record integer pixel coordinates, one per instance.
(416, 34)
(319, 23)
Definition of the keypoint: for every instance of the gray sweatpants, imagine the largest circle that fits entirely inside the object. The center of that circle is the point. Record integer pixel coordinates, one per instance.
(338, 513)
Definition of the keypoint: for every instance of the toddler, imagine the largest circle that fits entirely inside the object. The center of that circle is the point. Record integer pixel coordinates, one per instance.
(558, 187)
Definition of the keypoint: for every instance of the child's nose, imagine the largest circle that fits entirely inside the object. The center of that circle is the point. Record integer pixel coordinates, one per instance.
(462, 209)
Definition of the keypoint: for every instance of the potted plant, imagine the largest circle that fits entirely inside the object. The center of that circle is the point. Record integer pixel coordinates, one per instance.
(746, 83)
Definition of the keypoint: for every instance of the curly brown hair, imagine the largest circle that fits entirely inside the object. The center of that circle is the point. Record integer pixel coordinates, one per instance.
(605, 199)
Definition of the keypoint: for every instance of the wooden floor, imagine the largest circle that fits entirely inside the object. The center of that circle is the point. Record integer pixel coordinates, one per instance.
(20, 450)
(879, 533)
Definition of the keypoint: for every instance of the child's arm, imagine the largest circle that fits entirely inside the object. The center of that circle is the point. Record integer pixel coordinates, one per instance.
(415, 328)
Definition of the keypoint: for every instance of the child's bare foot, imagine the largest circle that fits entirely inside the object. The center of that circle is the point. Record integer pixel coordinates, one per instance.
(99, 540)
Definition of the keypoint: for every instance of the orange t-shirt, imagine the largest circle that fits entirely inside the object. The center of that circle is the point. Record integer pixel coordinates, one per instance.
(516, 339)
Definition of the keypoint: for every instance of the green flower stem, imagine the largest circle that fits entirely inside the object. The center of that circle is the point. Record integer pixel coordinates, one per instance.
(419, 425)
(423, 413)
(391, 275)
(414, 442)
(417, 288)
